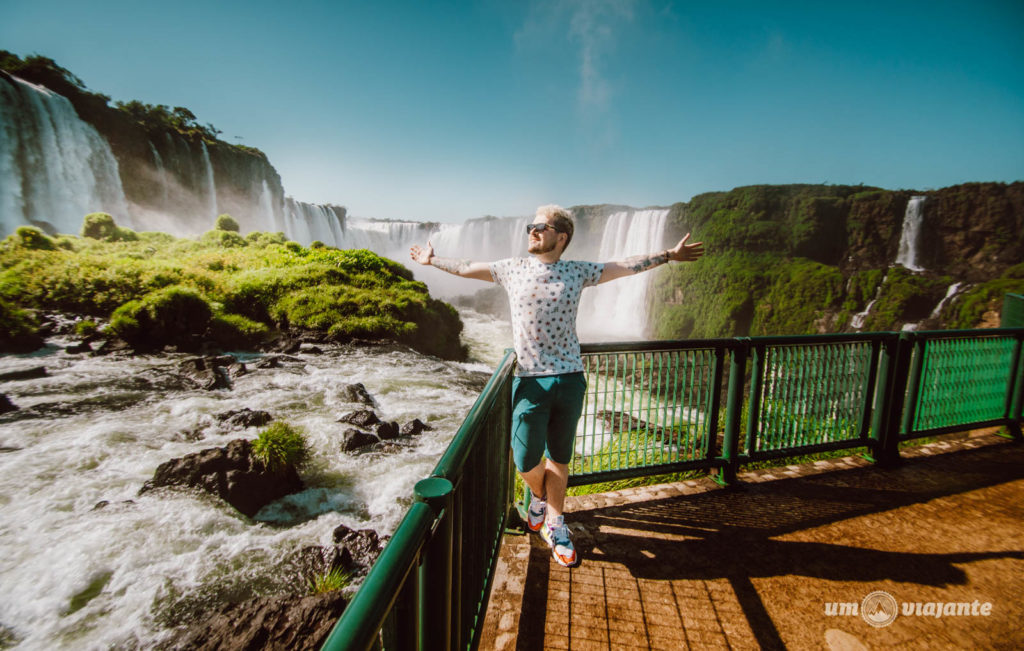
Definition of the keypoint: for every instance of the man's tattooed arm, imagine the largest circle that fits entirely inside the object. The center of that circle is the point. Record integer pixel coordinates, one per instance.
(452, 266)
(639, 263)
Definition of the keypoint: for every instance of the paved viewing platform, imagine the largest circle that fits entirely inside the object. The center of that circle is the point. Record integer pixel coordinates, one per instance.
(787, 560)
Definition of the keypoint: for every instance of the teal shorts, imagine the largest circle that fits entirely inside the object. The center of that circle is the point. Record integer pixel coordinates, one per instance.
(545, 411)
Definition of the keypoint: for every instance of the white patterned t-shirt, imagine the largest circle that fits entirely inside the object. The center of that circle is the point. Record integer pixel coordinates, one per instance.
(544, 299)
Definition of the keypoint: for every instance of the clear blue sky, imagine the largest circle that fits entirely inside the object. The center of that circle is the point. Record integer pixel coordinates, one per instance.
(453, 110)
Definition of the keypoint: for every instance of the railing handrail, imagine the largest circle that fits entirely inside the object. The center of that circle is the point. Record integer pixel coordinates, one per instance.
(451, 462)
(399, 562)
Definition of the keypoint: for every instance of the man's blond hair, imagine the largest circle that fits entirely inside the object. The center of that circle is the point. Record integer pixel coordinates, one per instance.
(560, 218)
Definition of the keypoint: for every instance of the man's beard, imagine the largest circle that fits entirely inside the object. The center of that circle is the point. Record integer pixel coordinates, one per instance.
(538, 248)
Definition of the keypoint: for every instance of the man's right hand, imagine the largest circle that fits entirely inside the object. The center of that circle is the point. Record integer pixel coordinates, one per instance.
(422, 254)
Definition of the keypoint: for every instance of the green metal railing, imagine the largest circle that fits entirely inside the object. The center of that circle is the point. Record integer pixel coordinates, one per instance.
(659, 407)
(428, 589)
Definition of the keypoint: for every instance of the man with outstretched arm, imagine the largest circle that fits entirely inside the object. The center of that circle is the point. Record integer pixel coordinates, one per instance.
(547, 392)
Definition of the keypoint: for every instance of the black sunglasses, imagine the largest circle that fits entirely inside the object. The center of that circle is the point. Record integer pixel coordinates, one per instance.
(540, 228)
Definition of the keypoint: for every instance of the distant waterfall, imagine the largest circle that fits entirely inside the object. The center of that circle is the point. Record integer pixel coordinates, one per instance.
(911, 234)
(54, 168)
(619, 310)
(211, 187)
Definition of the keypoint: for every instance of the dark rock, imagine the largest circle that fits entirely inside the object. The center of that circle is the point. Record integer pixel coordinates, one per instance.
(220, 360)
(237, 369)
(360, 418)
(364, 545)
(230, 473)
(415, 427)
(111, 346)
(275, 361)
(4, 448)
(288, 346)
(389, 447)
(387, 431)
(245, 417)
(193, 434)
(618, 421)
(33, 373)
(79, 348)
(356, 393)
(353, 439)
(267, 623)
(6, 405)
(204, 373)
(312, 349)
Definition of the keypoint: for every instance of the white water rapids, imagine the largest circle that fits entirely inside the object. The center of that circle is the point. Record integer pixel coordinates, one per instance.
(77, 576)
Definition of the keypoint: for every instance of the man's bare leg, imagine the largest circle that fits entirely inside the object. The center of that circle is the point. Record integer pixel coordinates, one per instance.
(556, 478)
(534, 478)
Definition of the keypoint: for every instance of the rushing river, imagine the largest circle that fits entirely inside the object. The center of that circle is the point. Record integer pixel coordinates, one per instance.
(76, 573)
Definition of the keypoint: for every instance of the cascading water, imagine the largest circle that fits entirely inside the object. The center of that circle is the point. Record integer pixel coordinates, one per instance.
(89, 563)
(54, 168)
(211, 186)
(911, 234)
(619, 310)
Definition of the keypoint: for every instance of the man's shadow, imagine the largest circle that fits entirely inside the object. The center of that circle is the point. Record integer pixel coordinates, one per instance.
(730, 534)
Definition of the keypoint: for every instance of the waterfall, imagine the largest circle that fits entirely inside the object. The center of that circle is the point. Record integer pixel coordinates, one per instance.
(619, 310)
(211, 187)
(54, 168)
(911, 234)
(857, 320)
(951, 291)
(165, 197)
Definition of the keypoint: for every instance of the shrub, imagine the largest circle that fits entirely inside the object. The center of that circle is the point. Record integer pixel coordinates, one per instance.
(281, 445)
(170, 316)
(30, 237)
(226, 222)
(224, 238)
(18, 330)
(262, 239)
(99, 226)
(85, 327)
(235, 332)
(292, 246)
(316, 244)
(336, 578)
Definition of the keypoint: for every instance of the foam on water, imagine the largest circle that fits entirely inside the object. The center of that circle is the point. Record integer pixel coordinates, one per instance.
(79, 576)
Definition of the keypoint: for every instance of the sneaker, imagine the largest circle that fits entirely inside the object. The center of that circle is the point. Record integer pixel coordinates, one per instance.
(535, 514)
(556, 534)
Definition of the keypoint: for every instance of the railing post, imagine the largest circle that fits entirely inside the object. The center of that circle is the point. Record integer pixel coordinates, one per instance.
(913, 381)
(435, 574)
(733, 413)
(754, 404)
(1015, 395)
(892, 384)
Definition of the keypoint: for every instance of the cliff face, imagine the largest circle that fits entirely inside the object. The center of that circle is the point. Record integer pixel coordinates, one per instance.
(173, 179)
(801, 259)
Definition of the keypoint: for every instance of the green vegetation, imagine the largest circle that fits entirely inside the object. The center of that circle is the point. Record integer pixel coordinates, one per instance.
(226, 222)
(226, 289)
(30, 237)
(334, 579)
(984, 298)
(281, 445)
(18, 330)
(804, 259)
(101, 226)
(159, 117)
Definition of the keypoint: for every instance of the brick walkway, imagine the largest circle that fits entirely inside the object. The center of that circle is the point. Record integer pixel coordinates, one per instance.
(692, 565)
